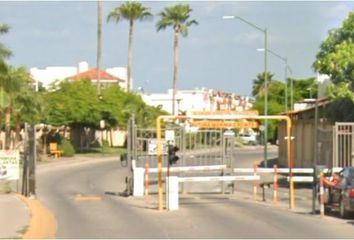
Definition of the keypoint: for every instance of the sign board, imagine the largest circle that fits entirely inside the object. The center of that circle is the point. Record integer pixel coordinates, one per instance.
(9, 164)
(152, 146)
(170, 136)
(225, 124)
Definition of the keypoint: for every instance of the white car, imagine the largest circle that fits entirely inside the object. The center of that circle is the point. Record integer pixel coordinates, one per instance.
(250, 139)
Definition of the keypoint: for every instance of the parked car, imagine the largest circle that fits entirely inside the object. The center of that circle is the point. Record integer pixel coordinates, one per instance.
(248, 138)
(341, 196)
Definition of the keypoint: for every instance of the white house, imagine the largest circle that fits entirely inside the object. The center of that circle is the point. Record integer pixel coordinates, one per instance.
(49, 75)
(198, 100)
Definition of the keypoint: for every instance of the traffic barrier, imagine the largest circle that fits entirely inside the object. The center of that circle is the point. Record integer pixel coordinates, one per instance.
(189, 168)
(322, 209)
(177, 169)
(172, 190)
(271, 170)
(218, 178)
(255, 182)
(146, 179)
(275, 184)
(301, 178)
(275, 170)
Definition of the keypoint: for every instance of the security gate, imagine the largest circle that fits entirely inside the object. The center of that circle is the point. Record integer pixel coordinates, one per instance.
(197, 147)
(343, 148)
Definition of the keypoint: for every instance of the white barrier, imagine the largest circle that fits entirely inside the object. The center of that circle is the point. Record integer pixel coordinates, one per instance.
(172, 186)
(219, 178)
(271, 170)
(189, 168)
(301, 179)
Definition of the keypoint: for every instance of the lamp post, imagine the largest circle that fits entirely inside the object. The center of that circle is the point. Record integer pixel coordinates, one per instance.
(287, 68)
(264, 31)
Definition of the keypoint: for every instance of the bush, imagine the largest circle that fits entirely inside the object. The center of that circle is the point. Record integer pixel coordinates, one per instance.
(67, 148)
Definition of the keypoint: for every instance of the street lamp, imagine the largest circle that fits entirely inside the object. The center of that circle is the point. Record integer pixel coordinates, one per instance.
(264, 31)
(287, 68)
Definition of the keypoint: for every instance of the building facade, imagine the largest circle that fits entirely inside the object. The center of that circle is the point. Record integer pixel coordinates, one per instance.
(53, 75)
(199, 100)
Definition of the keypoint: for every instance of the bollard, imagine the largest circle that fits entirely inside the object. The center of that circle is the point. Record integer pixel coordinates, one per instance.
(322, 210)
(138, 182)
(255, 182)
(275, 184)
(146, 192)
(172, 193)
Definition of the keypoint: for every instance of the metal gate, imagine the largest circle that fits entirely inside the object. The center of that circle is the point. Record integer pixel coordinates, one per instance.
(197, 147)
(343, 135)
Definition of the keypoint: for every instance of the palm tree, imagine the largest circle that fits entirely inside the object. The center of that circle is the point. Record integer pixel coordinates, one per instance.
(258, 83)
(4, 51)
(177, 17)
(99, 46)
(12, 83)
(130, 11)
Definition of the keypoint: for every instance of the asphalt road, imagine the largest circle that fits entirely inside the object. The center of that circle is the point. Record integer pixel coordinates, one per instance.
(83, 197)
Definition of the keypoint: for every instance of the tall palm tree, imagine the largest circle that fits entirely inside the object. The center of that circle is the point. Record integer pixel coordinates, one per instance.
(130, 11)
(12, 83)
(4, 51)
(99, 46)
(258, 84)
(176, 17)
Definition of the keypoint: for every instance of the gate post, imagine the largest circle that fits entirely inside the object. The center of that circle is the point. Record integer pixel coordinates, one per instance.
(130, 153)
(228, 147)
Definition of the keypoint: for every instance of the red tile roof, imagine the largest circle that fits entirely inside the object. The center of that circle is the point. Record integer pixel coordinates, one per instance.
(92, 74)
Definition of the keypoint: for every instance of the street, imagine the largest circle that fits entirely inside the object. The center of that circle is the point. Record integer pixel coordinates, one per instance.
(85, 201)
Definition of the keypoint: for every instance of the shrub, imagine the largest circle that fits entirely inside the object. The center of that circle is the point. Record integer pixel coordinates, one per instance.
(67, 148)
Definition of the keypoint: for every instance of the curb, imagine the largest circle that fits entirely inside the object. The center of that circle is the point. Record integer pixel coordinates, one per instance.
(42, 222)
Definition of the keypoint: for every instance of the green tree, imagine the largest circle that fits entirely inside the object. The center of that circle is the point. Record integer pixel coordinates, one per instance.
(336, 55)
(81, 110)
(99, 46)
(258, 83)
(176, 17)
(341, 108)
(118, 106)
(276, 93)
(130, 11)
(4, 51)
(13, 83)
(304, 88)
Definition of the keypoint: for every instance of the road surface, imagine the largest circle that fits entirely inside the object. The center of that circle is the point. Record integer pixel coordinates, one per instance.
(83, 197)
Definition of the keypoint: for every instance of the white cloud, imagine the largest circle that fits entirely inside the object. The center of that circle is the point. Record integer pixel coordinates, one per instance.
(338, 11)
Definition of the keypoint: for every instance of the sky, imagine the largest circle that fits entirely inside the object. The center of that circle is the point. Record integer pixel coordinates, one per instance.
(218, 53)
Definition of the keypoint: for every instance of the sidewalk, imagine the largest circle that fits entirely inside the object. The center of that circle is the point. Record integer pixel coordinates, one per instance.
(27, 218)
(14, 216)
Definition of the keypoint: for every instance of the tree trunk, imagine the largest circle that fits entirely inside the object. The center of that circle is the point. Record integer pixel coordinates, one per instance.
(130, 55)
(175, 71)
(99, 46)
(17, 129)
(7, 127)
